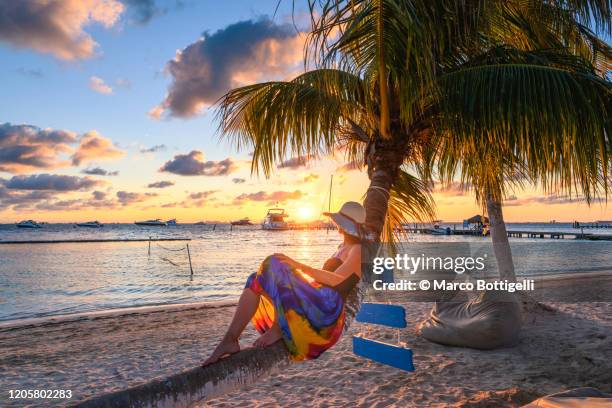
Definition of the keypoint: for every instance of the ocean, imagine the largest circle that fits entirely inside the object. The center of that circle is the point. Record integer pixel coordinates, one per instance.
(38, 280)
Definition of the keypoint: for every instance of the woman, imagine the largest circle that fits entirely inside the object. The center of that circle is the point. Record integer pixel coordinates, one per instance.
(301, 305)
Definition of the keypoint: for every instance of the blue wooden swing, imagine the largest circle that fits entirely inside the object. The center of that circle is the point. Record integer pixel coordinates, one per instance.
(397, 356)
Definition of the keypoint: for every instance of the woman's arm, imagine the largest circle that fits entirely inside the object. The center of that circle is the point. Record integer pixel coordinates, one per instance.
(352, 264)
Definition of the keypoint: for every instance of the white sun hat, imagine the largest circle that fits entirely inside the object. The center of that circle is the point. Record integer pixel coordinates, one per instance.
(350, 218)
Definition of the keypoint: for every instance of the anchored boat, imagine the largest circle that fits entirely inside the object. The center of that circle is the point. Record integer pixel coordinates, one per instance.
(28, 224)
(152, 223)
(244, 221)
(275, 220)
(90, 224)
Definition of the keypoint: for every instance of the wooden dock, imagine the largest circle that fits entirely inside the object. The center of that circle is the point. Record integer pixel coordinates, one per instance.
(592, 225)
(518, 234)
(80, 241)
(417, 230)
(558, 235)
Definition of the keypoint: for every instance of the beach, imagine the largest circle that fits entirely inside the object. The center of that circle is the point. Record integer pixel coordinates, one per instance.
(562, 345)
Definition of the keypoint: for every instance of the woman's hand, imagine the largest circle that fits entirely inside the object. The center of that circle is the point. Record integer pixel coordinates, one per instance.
(285, 259)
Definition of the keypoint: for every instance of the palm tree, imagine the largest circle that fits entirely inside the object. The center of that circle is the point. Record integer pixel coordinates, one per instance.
(582, 169)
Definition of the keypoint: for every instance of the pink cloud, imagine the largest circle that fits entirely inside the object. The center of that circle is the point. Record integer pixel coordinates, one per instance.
(242, 53)
(56, 27)
(94, 146)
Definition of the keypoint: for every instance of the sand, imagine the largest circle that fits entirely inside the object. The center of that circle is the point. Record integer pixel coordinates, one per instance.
(563, 345)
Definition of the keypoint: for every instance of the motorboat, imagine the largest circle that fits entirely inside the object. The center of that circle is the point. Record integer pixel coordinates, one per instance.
(171, 222)
(275, 220)
(244, 221)
(28, 224)
(90, 224)
(437, 230)
(152, 223)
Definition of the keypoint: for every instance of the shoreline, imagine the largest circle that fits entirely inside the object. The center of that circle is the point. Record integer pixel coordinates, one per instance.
(110, 313)
(168, 307)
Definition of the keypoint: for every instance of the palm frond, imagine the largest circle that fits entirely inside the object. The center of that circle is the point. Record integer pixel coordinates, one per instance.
(300, 117)
(410, 200)
(555, 120)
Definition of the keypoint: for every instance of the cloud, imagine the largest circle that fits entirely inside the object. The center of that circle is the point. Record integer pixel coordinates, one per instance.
(453, 189)
(161, 184)
(94, 146)
(198, 199)
(98, 171)
(193, 164)
(271, 198)
(123, 83)
(18, 200)
(98, 85)
(30, 73)
(202, 194)
(154, 149)
(241, 53)
(127, 198)
(144, 11)
(156, 112)
(26, 148)
(54, 182)
(238, 180)
(310, 177)
(98, 195)
(56, 27)
(294, 163)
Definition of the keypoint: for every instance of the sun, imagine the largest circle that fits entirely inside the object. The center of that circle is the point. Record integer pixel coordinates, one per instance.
(305, 213)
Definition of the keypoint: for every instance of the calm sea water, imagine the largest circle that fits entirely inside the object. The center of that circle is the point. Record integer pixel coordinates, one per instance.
(53, 279)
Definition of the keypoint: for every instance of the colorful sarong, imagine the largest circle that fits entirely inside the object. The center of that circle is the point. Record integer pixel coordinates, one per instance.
(310, 315)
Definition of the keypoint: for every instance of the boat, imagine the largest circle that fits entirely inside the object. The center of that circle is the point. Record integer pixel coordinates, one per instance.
(244, 221)
(151, 223)
(28, 224)
(275, 220)
(171, 222)
(437, 230)
(89, 224)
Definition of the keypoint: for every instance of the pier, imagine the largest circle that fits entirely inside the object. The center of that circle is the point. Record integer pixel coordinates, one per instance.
(558, 235)
(454, 231)
(593, 225)
(517, 234)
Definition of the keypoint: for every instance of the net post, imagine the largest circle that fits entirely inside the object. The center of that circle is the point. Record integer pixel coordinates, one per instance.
(189, 256)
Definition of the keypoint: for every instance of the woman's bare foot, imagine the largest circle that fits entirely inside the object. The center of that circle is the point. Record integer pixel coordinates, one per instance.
(268, 338)
(227, 346)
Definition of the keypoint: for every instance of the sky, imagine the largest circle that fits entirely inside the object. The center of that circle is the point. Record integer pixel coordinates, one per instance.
(106, 115)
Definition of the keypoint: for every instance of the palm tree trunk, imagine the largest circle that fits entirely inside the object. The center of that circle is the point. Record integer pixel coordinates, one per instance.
(499, 237)
(383, 166)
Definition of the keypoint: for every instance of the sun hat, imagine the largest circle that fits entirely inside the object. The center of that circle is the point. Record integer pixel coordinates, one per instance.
(350, 218)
